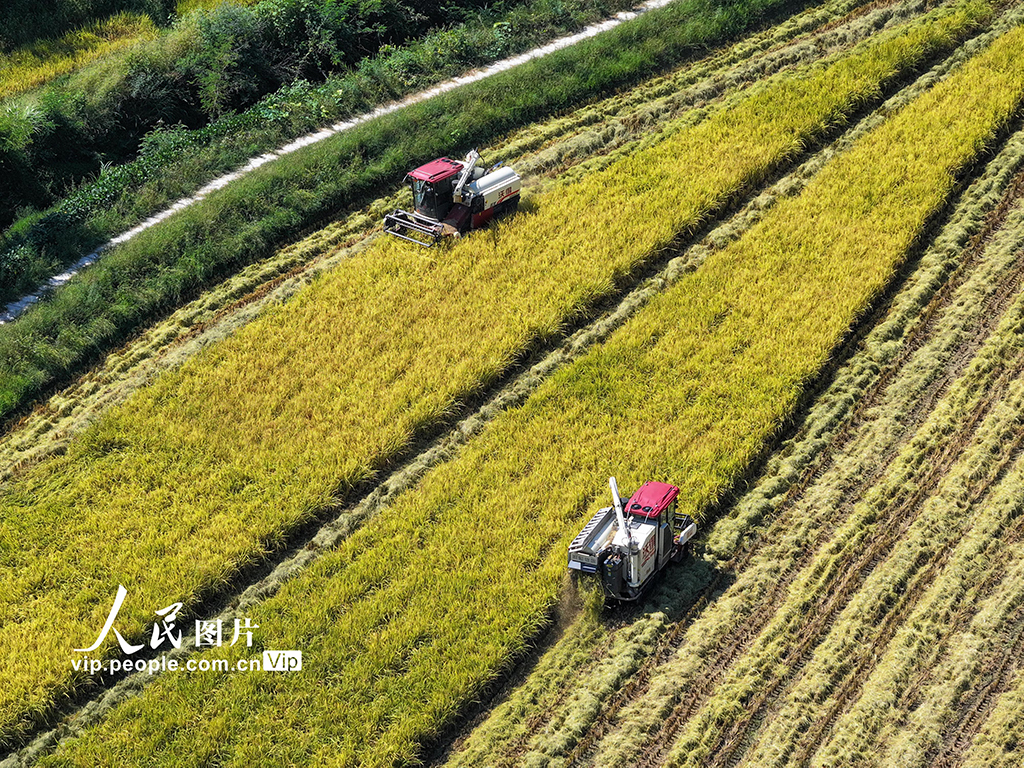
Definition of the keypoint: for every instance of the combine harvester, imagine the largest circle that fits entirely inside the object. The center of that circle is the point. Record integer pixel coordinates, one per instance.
(627, 549)
(451, 197)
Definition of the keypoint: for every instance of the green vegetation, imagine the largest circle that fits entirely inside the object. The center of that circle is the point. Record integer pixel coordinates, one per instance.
(235, 226)
(212, 63)
(42, 61)
(264, 457)
(24, 22)
(690, 389)
(575, 143)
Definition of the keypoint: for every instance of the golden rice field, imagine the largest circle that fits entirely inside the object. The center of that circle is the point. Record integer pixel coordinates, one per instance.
(33, 65)
(833, 383)
(29, 67)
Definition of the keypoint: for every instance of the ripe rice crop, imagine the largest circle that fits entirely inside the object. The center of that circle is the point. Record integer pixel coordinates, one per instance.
(249, 441)
(408, 619)
(232, 227)
(35, 64)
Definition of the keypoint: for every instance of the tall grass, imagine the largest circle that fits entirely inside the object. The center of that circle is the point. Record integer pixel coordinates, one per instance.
(189, 6)
(33, 65)
(408, 619)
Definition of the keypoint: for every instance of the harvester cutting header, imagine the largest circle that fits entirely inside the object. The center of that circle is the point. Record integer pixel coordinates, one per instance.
(627, 545)
(453, 196)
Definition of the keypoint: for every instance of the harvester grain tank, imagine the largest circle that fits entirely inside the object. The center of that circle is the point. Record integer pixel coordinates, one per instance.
(454, 196)
(628, 544)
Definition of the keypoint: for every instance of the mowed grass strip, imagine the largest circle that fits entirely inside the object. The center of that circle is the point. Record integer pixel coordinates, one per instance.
(207, 470)
(409, 619)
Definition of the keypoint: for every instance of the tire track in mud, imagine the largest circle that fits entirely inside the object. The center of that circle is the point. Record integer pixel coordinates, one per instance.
(584, 753)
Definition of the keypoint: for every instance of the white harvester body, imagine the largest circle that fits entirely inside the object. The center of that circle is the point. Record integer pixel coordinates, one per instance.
(451, 197)
(627, 545)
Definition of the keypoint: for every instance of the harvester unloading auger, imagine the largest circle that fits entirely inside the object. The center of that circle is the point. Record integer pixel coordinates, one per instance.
(626, 546)
(454, 196)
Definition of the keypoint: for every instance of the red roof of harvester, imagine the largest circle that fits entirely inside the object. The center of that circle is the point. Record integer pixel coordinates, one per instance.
(437, 170)
(651, 499)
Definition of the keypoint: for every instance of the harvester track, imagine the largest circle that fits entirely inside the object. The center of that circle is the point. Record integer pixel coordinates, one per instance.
(1002, 666)
(892, 620)
(959, 731)
(835, 596)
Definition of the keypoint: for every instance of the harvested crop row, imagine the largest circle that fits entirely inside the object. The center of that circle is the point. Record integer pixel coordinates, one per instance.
(997, 745)
(847, 545)
(265, 449)
(977, 682)
(541, 722)
(818, 677)
(690, 388)
(989, 548)
(843, 561)
(973, 310)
